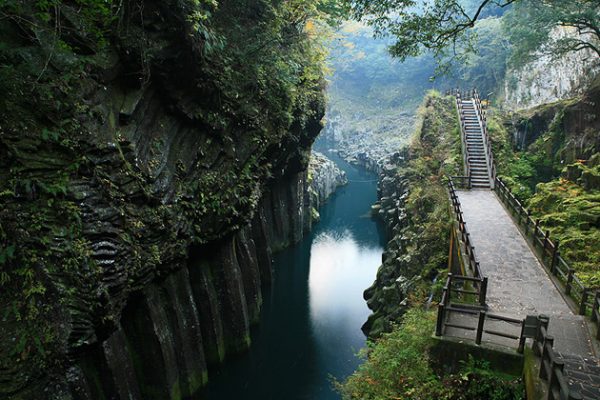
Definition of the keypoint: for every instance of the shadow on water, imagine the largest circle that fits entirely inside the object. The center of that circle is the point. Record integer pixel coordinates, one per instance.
(310, 323)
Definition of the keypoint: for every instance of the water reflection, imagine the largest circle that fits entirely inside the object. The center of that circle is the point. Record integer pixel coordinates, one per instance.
(340, 270)
(310, 323)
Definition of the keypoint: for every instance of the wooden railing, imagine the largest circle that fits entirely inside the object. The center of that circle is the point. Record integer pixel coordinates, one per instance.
(467, 291)
(463, 233)
(547, 249)
(462, 286)
(596, 313)
(478, 316)
(551, 368)
(481, 112)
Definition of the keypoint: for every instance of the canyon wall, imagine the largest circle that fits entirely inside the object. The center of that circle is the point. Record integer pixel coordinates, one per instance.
(413, 204)
(548, 77)
(143, 187)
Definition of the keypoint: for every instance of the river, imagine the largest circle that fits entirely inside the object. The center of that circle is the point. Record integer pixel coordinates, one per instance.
(309, 331)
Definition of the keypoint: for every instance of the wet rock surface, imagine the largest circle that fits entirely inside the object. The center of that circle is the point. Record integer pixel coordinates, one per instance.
(325, 178)
(140, 214)
(413, 204)
(366, 148)
(387, 296)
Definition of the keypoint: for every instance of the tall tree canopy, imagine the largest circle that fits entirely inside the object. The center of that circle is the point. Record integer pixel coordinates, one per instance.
(444, 27)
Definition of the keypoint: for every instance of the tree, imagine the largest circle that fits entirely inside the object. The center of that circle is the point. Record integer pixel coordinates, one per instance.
(444, 27)
(530, 23)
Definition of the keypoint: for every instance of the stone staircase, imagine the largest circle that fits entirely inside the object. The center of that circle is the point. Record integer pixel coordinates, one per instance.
(477, 157)
(582, 374)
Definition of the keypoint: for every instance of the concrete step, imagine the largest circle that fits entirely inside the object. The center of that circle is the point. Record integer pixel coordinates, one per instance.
(583, 374)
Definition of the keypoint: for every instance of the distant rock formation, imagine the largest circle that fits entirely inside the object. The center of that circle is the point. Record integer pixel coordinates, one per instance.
(324, 179)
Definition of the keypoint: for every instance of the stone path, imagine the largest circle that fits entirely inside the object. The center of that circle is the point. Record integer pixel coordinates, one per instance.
(518, 285)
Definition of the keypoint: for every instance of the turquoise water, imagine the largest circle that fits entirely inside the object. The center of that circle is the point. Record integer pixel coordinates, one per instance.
(310, 324)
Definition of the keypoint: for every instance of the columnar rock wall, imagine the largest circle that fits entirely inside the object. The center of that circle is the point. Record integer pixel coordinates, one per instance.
(413, 204)
(324, 177)
(172, 330)
(142, 184)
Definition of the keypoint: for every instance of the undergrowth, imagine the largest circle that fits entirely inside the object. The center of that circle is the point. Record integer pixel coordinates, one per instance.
(399, 366)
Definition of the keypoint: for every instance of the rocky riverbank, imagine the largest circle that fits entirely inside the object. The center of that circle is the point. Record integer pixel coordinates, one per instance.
(413, 206)
(324, 178)
(363, 147)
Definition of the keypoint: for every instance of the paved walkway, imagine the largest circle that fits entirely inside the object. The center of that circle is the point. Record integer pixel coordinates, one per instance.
(518, 284)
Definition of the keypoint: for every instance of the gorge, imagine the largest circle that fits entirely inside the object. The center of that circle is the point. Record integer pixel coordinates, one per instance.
(254, 198)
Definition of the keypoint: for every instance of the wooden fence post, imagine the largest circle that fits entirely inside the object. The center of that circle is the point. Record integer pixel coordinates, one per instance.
(554, 365)
(596, 299)
(542, 321)
(546, 236)
(555, 254)
(522, 339)
(569, 281)
(483, 291)
(548, 342)
(439, 327)
(480, 324)
(584, 298)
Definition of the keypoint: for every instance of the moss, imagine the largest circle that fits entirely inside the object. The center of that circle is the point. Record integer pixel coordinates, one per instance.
(89, 152)
(572, 215)
(175, 392)
(553, 171)
(403, 365)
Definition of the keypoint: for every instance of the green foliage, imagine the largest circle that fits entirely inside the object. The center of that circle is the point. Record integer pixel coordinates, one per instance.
(566, 199)
(476, 380)
(572, 214)
(398, 366)
(444, 27)
(529, 23)
(432, 157)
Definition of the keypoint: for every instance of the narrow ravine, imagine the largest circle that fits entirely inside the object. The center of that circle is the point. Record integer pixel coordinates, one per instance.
(310, 331)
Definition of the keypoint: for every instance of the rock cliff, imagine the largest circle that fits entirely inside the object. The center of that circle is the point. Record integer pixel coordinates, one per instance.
(413, 204)
(549, 78)
(324, 177)
(150, 163)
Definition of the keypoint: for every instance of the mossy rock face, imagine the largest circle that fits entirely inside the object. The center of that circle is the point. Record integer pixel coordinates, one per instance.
(413, 204)
(549, 157)
(125, 139)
